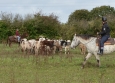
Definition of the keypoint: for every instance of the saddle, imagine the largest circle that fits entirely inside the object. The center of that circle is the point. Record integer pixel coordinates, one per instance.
(110, 41)
(15, 36)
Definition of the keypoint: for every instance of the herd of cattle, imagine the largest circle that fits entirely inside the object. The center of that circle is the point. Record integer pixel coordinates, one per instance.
(44, 46)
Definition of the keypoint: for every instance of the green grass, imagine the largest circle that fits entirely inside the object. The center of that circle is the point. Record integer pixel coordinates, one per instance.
(15, 68)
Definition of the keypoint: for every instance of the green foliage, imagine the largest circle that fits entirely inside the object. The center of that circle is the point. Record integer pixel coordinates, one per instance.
(42, 25)
(3, 30)
(102, 11)
(78, 15)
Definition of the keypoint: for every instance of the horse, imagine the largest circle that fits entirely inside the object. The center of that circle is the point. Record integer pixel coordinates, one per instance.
(14, 39)
(92, 47)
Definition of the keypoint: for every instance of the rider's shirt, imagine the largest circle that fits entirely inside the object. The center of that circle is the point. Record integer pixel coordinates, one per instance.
(17, 33)
(105, 30)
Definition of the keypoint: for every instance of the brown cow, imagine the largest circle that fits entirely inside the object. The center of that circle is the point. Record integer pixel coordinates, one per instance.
(82, 48)
(47, 47)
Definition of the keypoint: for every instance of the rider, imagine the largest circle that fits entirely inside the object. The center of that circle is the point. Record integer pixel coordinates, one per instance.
(17, 35)
(105, 34)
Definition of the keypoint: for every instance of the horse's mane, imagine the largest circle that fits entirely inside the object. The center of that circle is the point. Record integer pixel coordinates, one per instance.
(85, 36)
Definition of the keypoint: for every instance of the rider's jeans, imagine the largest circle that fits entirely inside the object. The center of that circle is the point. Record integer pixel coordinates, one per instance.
(18, 38)
(103, 40)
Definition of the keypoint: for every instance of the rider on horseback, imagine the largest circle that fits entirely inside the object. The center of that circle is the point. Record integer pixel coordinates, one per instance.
(105, 34)
(17, 35)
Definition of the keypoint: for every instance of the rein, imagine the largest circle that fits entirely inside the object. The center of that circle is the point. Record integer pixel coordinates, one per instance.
(89, 41)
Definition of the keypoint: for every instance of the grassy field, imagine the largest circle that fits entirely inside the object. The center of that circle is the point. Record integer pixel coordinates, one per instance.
(15, 68)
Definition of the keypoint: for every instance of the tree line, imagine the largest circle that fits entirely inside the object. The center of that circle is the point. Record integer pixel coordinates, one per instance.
(80, 22)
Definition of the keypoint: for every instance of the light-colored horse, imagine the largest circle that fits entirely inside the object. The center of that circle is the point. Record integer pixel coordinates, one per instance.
(92, 48)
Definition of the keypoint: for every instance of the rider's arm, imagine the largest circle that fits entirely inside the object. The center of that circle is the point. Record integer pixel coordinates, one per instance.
(104, 30)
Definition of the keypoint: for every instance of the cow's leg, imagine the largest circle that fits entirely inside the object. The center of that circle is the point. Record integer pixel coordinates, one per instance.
(65, 49)
(81, 50)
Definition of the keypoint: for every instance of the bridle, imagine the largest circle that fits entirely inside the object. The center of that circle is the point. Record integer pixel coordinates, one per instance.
(89, 41)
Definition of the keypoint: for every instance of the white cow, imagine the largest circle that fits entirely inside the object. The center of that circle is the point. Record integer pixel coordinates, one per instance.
(32, 43)
(27, 45)
(37, 46)
(22, 44)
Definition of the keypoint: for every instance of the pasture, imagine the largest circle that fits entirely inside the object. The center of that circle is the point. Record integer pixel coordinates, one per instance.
(16, 67)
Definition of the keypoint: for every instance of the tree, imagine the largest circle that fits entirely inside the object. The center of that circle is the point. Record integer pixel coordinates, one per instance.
(42, 24)
(98, 12)
(79, 15)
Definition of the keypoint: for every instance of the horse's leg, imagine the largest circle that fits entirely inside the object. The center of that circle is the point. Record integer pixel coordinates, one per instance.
(86, 58)
(9, 43)
(6, 42)
(98, 59)
(19, 43)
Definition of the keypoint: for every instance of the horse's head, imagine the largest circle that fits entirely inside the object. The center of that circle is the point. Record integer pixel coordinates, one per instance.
(75, 42)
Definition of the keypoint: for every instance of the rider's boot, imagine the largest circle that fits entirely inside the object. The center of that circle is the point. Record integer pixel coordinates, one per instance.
(101, 52)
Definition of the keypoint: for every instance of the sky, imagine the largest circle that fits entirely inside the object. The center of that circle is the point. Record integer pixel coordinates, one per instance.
(60, 8)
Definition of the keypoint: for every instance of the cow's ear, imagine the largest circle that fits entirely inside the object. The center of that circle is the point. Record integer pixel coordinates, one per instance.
(75, 34)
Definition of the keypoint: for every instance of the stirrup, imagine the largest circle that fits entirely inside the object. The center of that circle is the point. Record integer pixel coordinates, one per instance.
(99, 53)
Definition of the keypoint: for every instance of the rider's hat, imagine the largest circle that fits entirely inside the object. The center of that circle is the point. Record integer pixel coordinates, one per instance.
(104, 19)
(16, 29)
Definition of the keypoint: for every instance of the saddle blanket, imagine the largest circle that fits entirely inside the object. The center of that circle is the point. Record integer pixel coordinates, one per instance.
(110, 41)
